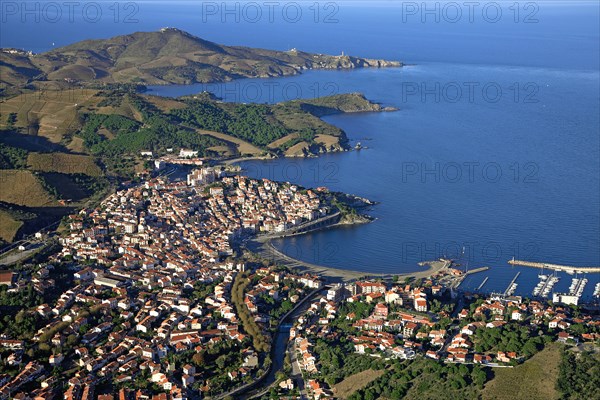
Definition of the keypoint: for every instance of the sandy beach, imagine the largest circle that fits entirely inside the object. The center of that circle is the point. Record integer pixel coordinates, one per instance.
(262, 246)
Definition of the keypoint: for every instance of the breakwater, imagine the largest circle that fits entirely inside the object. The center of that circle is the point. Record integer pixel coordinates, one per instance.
(555, 267)
(320, 223)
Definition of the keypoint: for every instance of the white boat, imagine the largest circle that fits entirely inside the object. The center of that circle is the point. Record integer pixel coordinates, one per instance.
(597, 290)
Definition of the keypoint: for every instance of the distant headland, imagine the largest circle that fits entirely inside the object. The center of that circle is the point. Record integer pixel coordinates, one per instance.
(166, 56)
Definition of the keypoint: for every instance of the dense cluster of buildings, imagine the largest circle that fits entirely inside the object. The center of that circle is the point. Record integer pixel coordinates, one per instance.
(401, 325)
(152, 294)
(117, 334)
(176, 225)
(138, 261)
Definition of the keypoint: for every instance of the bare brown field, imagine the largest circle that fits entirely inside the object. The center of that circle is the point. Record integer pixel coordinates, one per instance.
(8, 226)
(243, 147)
(283, 140)
(327, 140)
(135, 74)
(535, 379)
(165, 104)
(297, 120)
(355, 382)
(297, 150)
(64, 163)
(125, 109)
(48, 113)
(23, 188)
(79, 72)
(76, 145)
(223, 150)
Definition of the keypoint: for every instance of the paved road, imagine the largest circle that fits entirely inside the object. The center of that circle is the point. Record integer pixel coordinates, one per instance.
(297, 374)
(17, 255)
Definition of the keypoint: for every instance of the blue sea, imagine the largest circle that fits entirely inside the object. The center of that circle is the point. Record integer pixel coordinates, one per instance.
(494, 151)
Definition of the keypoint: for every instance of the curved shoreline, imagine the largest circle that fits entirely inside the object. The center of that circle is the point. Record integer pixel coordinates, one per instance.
(264, 247)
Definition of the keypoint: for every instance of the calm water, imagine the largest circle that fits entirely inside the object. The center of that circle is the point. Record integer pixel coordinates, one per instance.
(495, 179)
(466, 177)
(494, 152)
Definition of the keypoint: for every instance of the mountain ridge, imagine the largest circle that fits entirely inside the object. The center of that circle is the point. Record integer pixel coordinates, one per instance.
(167, 56)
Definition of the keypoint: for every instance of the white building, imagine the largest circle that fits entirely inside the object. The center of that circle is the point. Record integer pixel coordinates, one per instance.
(186, 153)
(202, 176)
(335, 292)
(565, 298)
(159, 164)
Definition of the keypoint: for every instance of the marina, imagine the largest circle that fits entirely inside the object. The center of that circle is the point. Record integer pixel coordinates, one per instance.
(597, 290)
(577, 286)
(574, 293)
(545, 286)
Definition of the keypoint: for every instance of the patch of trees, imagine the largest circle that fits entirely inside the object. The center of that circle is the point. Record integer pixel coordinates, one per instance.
(114, 123)
(12, 157)
(16, 322)
(24, 298)
(343, 207)
(359, 308)
(49, 333)
(21, 325)
(48, 187)
(283, 308)
(11, 120)
(260, 341)
(254, 123)
(204, 115)
(158, 132)
(423, 378)
(578, 375)
(202, 290)
(336, 363)
(510, 337)
(89, 183)
(436, 306)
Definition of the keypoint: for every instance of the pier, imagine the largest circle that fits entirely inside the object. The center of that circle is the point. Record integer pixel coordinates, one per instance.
(483, 283)
(459, 281)
(555, 267)
(577, 286)
(309, 226)
(544, 287)
(512, 286)
(476, 270)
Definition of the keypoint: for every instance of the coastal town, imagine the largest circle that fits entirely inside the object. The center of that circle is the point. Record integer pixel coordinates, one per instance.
(151, 295)
(345, 200)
